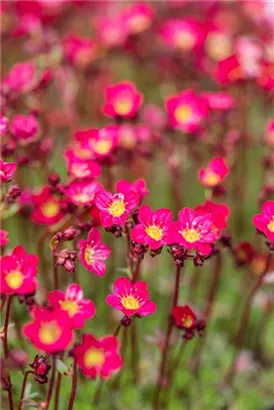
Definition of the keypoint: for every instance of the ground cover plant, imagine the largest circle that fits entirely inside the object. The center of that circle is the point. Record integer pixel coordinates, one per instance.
(137, 205)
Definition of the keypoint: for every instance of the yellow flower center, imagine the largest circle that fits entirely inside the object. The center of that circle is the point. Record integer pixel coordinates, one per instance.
(70, 306)
(89, 255)
(94, 357)
(49, 332)
(82, 197)
(102, 147)
(123, 106)
(211, 178)
(14, 279)
(50, 209)
(117, 208)
(184, 40)
(187, 321)
(130, 302)
(154, 232)
(183, 113)
(190, 235)
(270, 226)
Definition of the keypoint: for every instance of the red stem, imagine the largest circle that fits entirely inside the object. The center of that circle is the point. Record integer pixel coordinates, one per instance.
(74, 386)
(23, 388)
(6, 351)
(51, 383)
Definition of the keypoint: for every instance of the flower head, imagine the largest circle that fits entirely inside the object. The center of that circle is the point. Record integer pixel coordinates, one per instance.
(131, 298)
(215, 173)
(219, 214)
(7, 169)
(81, 168)
(112, 31)
(79, 51)
(24, 128)
(93, 253)
(137, 17)
(22, 77)
(82, 192)
(229, 70)
(49, 331)
(122, 100)
(98, 356)
(71, 302)
(3, 238)
(193, 231)
(153, 227)
(47, 207)
(184, 317)
(139, 187)
(18, 272)
(264, 221)
(99, 142)
(182, 34)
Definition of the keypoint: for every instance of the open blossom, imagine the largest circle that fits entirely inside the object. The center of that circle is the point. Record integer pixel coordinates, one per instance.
(112, 31)
(186, 111)
(122, 100)
(82, 192)
(264, 221)
(115, 208)
(153, 227)
(93, 253)
(229, 70)
(193, 231)
(97, 357)
(72, 302)
(3, 237)
(131, 298)
(47, 207)
(182, 34)
(81, 168)
(139, 187)
(137, 17)
(99, 142)
(215, 173)
(18, 272)
(219, 214)
(49, 331)
(184, 317)
(22, 77)
(79, 51)
(7, 169)
(24, 128)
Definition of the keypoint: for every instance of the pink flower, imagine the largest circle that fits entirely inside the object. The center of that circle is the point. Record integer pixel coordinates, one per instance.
(112, 31)
(193, 231)
(122, 100)
(186, 111)
(82, 192)
(93, 253)
(264, 221)
(139, 187)
(18, 272)
(219, 214)
(131, 298)
(219, 100)
(229, 70)
(137, 17)
(49, 331)
(98, 356)
(81, 168)
(3, 238)
(22, 77)
(184, 317)
(214, 174)
(71, 302)
(24, 128)
(266, 78)
(153, 227)
(100, 142)
(269, 134)
(115, 209)
(47, 207)
(7, 169)
(3, 124)
(79, 51)
(183, 34)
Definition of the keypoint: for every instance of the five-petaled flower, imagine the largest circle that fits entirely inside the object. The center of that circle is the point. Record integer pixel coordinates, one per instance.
(131, 298)
(193, 231)
(264, 221)
(72, 302)
(18, 272)
(98, 357)
(47, 207)
(215, 173)
(184, 317)
(153, 227)
(93, 253)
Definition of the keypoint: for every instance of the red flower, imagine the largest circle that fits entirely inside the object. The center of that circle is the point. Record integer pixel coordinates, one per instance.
(139, 187)
(215, 173)
(79, 51)
(193, 231)
(71, 302)
(131, 299)
(229, 70)
(24, 128)
(81, 168)
(49, 331)
(122, 100)
(137, 17)
(3, 238)
(7, 169)
(115, 209)
(47, 207)
(82, 192)
(22, 77)
(100, 143)
(153, 228)
(92, 252)
(184, 317)
(98, 356)
(18, 271)
(183, 34)
(264, 221)
(219, 214)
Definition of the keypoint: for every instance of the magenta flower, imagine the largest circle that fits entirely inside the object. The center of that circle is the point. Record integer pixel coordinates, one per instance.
(229, 70)
(73, 304)
(153, 227)
(93, 253)
(47, 207)
(139, 187)
(193, 231)
(82, 192)
(137, 17)
(112, 31)
(79, 51)
(97, 356)
(122, 100)
(264, 221)
(18, 272)
(24, 128)
(131, 298)
(7, 169)
(219, 215)
(269, 134)
(115, 209)
(186, 111)
(3, 124)
(182, 34)
(3, 238)
(219, 100)
(81, 168)
(22, 77)
(99, 142)
(214, 174)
